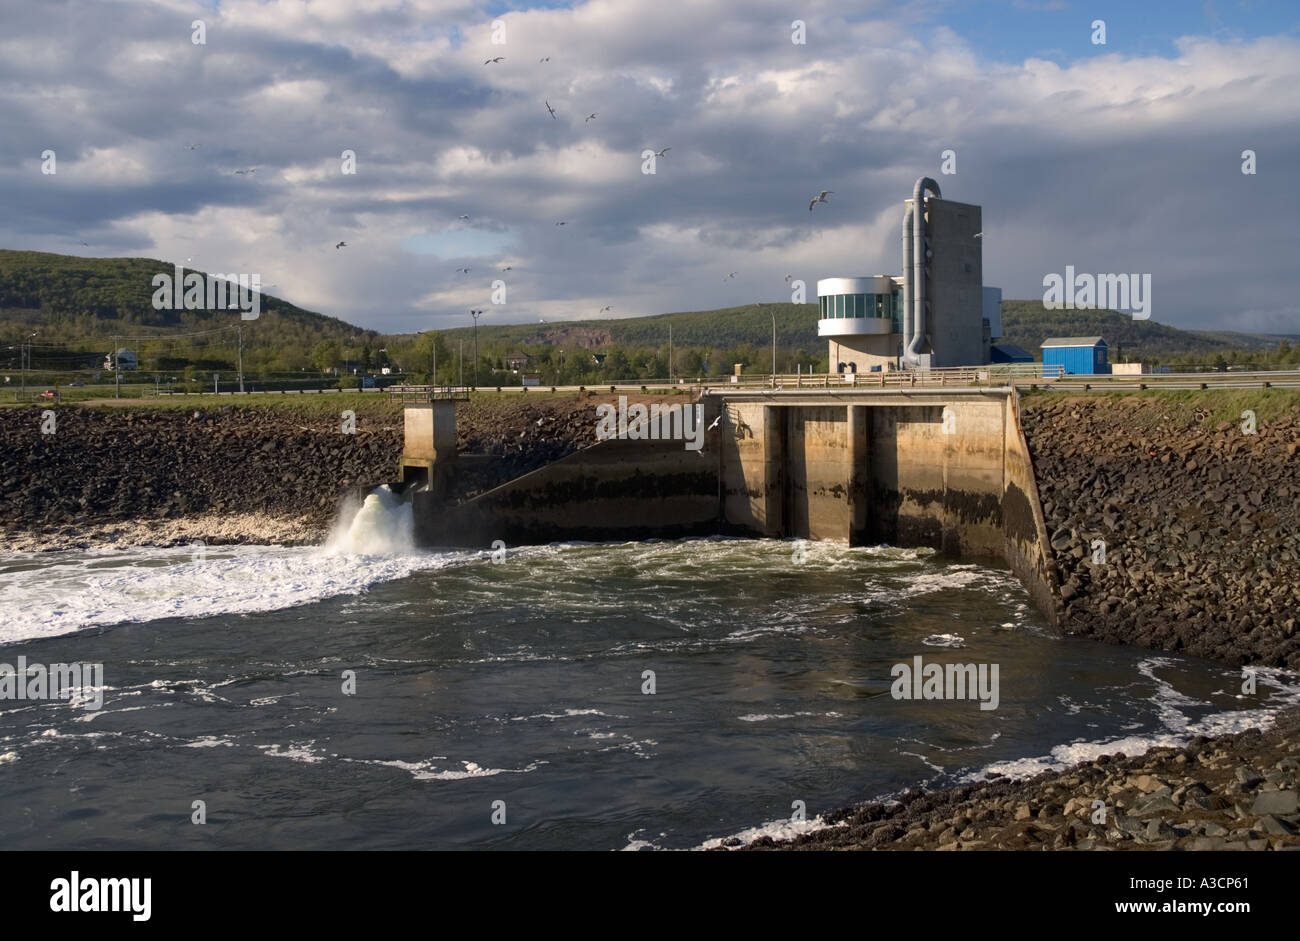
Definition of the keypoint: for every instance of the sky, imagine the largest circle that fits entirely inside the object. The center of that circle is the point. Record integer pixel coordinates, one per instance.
(1117, 157)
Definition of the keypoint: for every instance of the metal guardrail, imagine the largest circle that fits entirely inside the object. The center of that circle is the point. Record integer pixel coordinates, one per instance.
(430, 393)
(954, 376)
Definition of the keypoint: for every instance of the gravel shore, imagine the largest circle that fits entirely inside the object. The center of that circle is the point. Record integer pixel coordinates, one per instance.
(1236, 792)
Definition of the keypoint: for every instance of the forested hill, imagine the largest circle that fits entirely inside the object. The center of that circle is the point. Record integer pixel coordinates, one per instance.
(74, 300)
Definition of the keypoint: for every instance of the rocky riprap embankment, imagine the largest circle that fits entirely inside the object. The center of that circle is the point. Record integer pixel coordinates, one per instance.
(105, 465)
(1233, 793)
(1201, 523)
(243, 473)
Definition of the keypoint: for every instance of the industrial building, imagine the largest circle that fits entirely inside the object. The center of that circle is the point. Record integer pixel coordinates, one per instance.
(1077, 356)
(937, 313)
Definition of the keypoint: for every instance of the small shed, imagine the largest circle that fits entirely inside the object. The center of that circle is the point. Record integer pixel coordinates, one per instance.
(1077, 356)
(1009, 353)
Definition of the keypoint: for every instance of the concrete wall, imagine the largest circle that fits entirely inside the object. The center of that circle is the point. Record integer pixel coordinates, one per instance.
(615, 489)
(1026, 548)
(955, 292)
(936, 488)
(950, 471)
(749, 465)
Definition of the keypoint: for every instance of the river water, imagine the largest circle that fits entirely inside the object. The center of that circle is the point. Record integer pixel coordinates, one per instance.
(517, 686)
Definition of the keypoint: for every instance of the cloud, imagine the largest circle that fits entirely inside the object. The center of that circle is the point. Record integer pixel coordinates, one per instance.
(1108, 163)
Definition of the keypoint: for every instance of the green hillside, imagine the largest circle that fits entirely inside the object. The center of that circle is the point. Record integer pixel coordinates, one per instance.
(1028, 323)
(79, 307)
(796, 325)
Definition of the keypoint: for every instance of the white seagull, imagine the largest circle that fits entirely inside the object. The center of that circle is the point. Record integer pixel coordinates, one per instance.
(660, 153)
(494, 61)
(550, 109)
(589, 117)
(341, 245)
(819, 198)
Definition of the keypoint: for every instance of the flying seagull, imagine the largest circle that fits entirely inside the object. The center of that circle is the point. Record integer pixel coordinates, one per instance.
(819, 198)
(462, 271)
(979, 235)
(87, 244)
(603, 309)
(465, 217)
(544, 59)
(550, 109)
(715, 422)
(789, 276)
(561, 223)
(589, 117)
(249, 170)
(341, 245)
(494, 61)
(660, 153)
(506, 268)
(193, 146)
(730, 276)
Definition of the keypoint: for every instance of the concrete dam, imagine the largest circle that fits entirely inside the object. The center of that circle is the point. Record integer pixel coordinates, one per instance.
(942, 468)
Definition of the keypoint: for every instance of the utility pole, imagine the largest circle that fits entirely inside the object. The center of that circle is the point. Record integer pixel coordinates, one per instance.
(670, 353)
(24, 358)
(240, 330)
(460, 363)
(773, 313)
(433, 349)
(117, 371)
(476, 314)
(214, 384)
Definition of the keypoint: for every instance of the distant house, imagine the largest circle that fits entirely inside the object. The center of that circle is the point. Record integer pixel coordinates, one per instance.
(125, 360)
(516, 361)
(1077, 356)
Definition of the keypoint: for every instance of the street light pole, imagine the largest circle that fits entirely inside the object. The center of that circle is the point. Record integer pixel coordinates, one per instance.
(241, 359)
(476, 314)
(773, 313)
(23, 359)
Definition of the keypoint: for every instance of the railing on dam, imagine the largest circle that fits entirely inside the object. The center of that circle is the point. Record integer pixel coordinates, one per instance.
(955, 376)
(429, 393)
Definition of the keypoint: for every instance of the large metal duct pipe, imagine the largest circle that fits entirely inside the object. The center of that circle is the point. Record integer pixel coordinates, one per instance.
(911, 351)
(907, 276)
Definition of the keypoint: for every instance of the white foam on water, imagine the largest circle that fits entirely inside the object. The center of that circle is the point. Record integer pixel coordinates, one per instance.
(944, 640)
(71, 591)
(383, 525)
(777, 829)
(1178, 727)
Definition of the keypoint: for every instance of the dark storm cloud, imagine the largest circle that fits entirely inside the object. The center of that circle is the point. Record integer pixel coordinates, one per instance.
(1107, 164)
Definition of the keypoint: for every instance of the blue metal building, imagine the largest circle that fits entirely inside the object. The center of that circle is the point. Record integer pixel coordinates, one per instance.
(1078, 356)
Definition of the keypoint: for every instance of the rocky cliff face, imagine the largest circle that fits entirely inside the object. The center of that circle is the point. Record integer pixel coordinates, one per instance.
(1199, 522)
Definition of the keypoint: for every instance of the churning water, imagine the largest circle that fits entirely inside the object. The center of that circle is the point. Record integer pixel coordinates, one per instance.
(526, 681)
